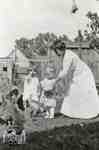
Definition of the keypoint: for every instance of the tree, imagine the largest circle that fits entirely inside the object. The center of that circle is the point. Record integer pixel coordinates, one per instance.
(92, 32)
(42, 42)
(64, 38)
(38, 45)
(22, 43)
(93, 23)
(79, 37)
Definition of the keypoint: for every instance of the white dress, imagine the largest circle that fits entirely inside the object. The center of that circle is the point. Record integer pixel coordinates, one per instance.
(82, 99)
(47, 85)
(31, 91)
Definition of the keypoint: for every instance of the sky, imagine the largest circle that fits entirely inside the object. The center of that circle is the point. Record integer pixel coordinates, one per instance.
(26, 18)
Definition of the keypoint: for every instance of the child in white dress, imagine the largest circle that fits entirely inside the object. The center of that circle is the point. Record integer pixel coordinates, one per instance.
(32, 92)
(48, 94)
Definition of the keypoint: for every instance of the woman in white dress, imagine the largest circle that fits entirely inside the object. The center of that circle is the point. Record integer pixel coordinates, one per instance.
(82, 98)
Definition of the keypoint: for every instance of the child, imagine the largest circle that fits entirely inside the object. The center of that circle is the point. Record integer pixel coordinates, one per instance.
(48, 94)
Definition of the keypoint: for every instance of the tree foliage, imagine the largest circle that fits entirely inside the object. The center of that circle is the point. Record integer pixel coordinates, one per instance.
(92, 31)
(79, 37)
(39, 45)
(93, 23)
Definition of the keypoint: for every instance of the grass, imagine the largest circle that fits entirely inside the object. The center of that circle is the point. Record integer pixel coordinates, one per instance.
(74, 137)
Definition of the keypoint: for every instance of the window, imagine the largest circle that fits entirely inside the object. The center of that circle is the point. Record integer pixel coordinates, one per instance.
(5, 69)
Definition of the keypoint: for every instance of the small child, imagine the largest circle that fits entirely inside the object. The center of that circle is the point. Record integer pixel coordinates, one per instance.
(48, 95)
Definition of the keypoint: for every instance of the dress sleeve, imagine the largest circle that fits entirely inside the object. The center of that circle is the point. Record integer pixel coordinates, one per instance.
(67, 62)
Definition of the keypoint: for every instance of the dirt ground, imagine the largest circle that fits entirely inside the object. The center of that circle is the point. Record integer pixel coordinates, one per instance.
(61, 133)
(39, 124)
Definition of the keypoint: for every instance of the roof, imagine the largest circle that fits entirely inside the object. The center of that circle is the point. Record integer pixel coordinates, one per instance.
(27, 53)
(70, 45)
(22, 70)
(84, 45)
(5, 60)
(35, 58)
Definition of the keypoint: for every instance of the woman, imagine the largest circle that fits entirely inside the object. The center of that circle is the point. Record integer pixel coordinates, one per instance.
(82, 99)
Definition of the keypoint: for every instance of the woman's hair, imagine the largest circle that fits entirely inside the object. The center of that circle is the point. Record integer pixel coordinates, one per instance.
(58, 44)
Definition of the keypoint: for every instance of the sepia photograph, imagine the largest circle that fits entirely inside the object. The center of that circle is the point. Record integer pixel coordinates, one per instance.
(49, 75)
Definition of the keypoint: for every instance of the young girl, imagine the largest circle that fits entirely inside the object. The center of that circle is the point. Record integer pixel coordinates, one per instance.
(32, 91)
(48, 94)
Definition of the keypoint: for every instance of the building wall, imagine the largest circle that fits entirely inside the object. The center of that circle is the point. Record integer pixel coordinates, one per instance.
(5, 74)
(20, 59)
(6, 68)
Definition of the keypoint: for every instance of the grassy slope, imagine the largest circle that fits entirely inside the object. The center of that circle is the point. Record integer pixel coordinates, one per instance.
(74, 137)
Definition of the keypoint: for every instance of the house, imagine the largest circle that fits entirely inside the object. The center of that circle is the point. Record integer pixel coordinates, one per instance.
(6, 68)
